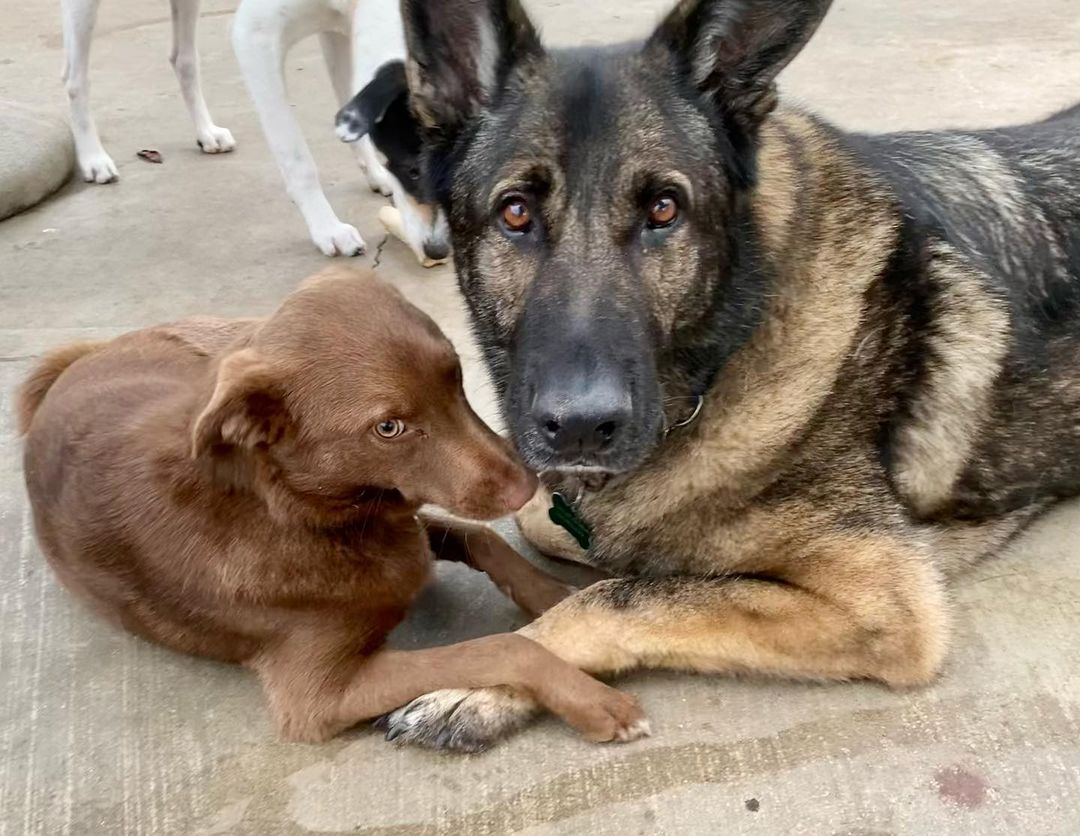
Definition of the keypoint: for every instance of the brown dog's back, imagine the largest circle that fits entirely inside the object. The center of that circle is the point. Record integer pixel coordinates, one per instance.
(106, 454)
(220, 541)
(204, 336)
(44, 375)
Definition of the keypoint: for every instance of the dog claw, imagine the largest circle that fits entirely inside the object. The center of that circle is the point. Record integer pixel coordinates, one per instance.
(215, 140)
(339, 239)
(98, 167)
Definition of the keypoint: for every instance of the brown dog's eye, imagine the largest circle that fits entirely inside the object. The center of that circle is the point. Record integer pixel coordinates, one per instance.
(516, 216)
(390, 428)
(663, 211)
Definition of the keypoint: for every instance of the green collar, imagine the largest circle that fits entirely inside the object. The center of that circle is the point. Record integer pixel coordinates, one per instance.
(563, 514)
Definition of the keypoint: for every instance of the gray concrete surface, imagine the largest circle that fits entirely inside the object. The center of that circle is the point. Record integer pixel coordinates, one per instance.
(36, 155)
(103, 734)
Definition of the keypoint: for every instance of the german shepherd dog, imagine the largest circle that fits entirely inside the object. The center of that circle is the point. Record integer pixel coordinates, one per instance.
(879, 337)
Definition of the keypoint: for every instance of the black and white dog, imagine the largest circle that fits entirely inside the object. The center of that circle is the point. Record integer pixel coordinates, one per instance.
(380, 115)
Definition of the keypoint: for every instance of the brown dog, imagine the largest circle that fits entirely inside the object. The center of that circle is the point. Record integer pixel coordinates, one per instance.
(248, 491)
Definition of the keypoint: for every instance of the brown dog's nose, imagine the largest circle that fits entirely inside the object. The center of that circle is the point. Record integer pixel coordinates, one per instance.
(520, 490)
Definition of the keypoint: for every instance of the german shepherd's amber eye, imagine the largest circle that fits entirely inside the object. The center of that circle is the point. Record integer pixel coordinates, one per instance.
(663, 211)
(390, 428)
(515, 215)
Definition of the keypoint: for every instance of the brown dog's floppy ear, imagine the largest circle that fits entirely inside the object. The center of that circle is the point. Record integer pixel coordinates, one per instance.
(246, 409)
(734, 49)
(459, 52)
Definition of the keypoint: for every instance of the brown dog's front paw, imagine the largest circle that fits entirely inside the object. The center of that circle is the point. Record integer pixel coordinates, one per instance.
(615, 718)
(459, 720)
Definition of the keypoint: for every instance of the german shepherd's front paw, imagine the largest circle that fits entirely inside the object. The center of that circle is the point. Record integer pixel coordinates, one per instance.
(471, 721)
(460, 720)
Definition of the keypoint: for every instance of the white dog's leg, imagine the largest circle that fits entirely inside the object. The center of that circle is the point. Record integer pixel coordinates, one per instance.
(260, 49)
(378, 36)
(78, 22)
(338, 52)
(368, 160)
(185, 60)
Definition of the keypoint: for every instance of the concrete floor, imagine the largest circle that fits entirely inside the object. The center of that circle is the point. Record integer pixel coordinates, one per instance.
(103, 734)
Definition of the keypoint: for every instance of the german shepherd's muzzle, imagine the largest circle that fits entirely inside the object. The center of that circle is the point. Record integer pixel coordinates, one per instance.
(582, 392)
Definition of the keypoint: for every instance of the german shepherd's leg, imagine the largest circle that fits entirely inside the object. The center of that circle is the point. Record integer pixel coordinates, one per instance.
(318, 683)
(854, 608)
(480, 548)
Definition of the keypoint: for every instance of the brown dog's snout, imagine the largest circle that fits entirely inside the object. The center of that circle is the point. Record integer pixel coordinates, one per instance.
(520, 489)
(487, 479)
(500, 479)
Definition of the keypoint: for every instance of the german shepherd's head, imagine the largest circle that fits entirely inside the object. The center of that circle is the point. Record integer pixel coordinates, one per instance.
(598, 206)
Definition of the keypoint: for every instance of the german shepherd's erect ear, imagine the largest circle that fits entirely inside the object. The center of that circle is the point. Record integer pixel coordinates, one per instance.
(732, 50)
(459, 54)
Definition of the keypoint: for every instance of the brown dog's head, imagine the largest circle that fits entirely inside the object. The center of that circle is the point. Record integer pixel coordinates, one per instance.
(348, 398)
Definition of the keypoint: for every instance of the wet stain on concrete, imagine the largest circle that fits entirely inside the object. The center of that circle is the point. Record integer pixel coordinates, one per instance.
(649, 770)
(961, 788)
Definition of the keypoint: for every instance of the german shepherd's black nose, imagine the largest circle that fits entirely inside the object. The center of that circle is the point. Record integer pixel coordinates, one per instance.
(581, 418)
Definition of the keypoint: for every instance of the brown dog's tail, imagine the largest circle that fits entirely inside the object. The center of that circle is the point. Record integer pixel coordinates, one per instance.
(36, 386)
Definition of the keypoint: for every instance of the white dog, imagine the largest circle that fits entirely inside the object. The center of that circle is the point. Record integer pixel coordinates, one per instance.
(357, 38)
(78, 22)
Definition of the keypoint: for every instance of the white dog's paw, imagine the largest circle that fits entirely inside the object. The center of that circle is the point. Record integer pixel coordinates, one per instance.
(379, 180)
(459, 720)
(98, 167)
(215, 140)
(338, 239)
